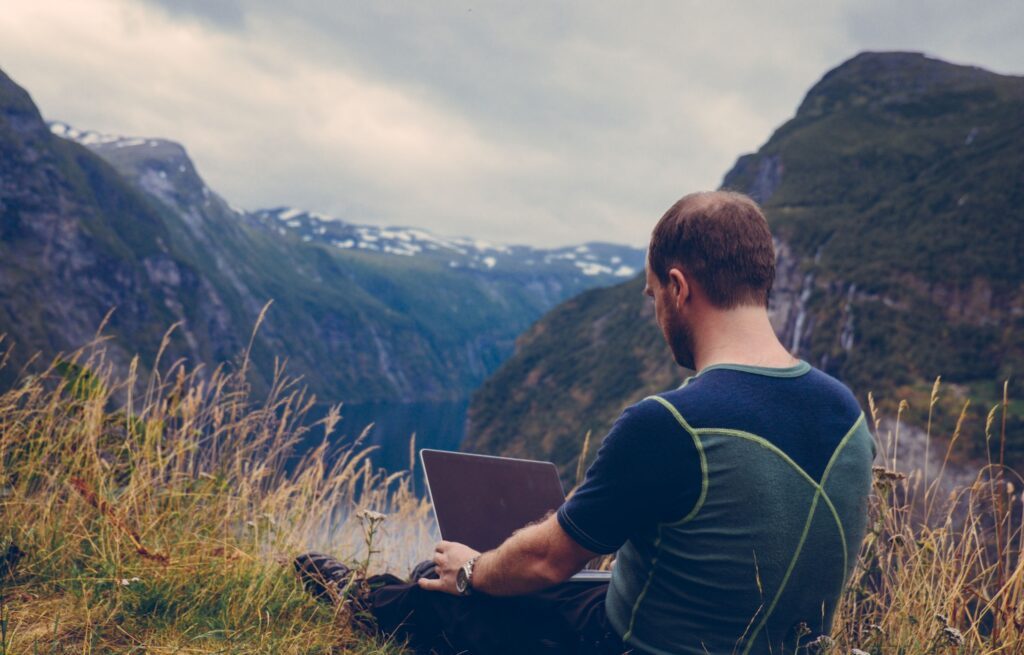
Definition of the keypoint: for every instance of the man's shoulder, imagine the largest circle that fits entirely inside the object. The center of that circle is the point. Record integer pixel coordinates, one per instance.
(664, 411)
(697, 400)
(646, 426)
(718, 397)
(833, 394)
(646, 415)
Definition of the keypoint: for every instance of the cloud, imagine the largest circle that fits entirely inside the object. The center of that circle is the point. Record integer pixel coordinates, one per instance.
(553, 123)
(227, 14)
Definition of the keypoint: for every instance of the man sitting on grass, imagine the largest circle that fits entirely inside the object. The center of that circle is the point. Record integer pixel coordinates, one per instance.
(736, 504)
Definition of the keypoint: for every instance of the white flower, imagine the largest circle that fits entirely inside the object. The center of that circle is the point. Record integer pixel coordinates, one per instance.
(370, 515)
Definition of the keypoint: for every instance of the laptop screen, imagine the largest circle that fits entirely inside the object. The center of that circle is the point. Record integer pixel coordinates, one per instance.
(481, 500)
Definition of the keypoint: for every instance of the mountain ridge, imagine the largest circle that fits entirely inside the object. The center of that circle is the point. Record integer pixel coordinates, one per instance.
(161, 166)
(896, 210)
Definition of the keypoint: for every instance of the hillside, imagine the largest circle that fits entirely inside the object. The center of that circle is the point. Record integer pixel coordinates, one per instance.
(896, 195)
(90, 223)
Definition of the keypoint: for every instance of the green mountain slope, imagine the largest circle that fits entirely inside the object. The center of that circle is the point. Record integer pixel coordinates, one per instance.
(571, 373)
(136, 229)
(896, 194)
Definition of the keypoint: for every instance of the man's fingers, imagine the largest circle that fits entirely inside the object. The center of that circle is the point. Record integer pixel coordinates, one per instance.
(438, 557)
(430, 584)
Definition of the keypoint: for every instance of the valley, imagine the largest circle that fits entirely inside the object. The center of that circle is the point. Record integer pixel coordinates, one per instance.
(371, 316)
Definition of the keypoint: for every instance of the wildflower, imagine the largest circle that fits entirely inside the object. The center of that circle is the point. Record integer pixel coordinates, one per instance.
(884, 476)
(127, 581)
(370, 515)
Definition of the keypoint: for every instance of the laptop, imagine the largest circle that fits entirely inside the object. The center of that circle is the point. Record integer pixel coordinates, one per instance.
(480, 500)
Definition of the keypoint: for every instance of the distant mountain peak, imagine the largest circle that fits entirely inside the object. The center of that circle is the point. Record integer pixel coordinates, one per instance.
(17, 111)
(101, 142)
(890, 77)
(93, 138)
(160, 166)
(163, 168)
(590, 260)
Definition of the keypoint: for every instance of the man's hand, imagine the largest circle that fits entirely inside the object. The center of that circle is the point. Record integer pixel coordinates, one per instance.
(534, 558)
(449, 557)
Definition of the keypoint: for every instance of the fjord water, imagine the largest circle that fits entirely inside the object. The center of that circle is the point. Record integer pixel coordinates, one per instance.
(436, 424)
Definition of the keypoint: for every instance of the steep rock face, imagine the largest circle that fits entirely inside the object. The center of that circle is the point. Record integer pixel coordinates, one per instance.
(76, 242)
(787, 306)
(895, 195)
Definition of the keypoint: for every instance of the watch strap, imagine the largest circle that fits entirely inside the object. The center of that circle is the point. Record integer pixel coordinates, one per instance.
(468, 569)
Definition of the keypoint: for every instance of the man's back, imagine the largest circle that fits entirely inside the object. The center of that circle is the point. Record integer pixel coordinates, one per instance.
(758, 510)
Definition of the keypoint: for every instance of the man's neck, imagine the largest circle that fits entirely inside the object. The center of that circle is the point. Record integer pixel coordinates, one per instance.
(742, 335)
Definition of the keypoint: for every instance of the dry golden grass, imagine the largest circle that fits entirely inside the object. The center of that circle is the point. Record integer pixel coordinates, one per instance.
(159, 516)
(941, 569)
(168, 524)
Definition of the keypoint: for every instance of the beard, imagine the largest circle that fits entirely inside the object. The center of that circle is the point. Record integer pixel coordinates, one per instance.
(680, 340)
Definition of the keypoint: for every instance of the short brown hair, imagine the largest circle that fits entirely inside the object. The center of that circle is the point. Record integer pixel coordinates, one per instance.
(721, 238)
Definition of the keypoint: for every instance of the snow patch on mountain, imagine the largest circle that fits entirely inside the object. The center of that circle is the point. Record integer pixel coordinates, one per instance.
(163, 172)
(590, 260)
(92, 138)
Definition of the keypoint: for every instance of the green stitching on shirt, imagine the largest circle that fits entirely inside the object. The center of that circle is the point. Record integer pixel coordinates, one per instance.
(764, 443)
(786, 372)
(643, 592)
(700, 452)
(693, 512)
(819, 493)
(824, 477)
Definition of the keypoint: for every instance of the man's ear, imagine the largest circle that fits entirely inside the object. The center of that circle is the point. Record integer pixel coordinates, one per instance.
(679, 286)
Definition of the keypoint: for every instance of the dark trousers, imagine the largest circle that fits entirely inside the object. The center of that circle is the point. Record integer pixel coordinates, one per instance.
(568, 618)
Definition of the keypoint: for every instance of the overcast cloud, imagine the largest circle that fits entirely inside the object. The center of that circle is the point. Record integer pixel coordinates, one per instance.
(558, 123)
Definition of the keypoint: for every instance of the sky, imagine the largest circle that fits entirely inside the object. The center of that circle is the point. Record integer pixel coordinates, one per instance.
(547, 123)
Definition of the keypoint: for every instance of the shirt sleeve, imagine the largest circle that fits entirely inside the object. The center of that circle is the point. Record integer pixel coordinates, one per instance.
(647, 471)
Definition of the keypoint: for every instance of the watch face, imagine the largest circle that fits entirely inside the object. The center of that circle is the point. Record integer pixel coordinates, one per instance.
(461, 582)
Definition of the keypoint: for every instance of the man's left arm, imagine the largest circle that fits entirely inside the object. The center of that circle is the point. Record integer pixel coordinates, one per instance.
(534, 558)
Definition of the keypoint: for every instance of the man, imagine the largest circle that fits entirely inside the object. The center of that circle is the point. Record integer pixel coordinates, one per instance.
(736, 503)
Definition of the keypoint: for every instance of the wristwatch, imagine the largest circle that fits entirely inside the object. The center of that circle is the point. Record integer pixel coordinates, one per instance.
(464, 578)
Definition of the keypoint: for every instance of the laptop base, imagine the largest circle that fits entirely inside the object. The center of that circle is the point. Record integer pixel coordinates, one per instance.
(591, 575)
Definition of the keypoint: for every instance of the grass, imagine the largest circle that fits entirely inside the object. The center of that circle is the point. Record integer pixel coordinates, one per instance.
(168, 525)
(941, 567)
(160, 515)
